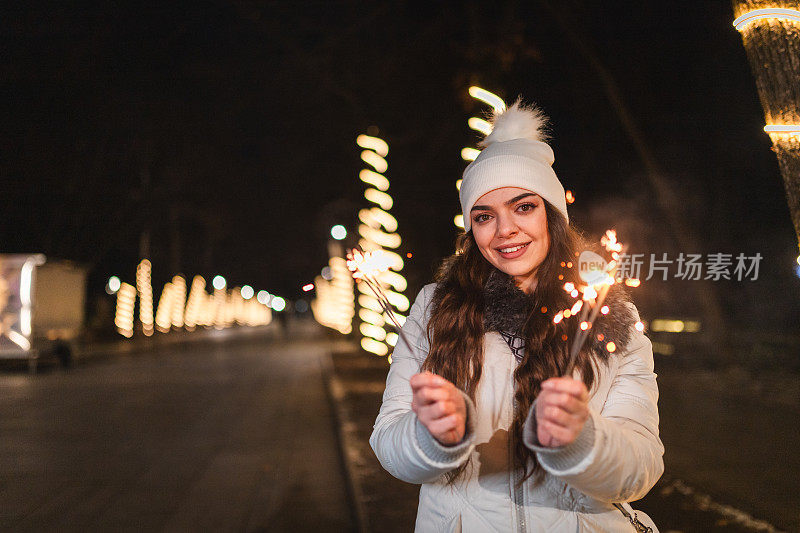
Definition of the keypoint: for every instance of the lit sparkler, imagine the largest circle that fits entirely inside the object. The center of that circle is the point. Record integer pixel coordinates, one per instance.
(599, 275)
(366, 267)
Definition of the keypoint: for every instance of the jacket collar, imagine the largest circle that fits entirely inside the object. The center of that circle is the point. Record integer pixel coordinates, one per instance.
(505, 306)
(506, 309)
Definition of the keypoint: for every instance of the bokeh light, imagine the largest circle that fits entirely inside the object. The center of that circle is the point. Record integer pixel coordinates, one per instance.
(278, 303)
(113, 285)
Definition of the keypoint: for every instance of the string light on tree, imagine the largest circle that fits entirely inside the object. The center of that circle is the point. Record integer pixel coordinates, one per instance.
(178, 301)
(480, 125)
(373, 178)
(379, 197)
(334, 305)
(489, 98)
(164, 309)
(375, 144)
(144, 289)
(770, 32)
(745, 19)
(124, 317)
(175, 311)
(378, 233)
(195, 304)
(469, 155)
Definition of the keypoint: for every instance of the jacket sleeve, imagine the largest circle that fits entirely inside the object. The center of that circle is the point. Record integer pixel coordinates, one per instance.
(618, 456)
(404, 447)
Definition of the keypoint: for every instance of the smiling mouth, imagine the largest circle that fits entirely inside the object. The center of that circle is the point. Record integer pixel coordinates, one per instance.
(512, 249)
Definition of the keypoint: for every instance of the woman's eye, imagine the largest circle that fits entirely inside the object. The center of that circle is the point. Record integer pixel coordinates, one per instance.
(483, 217)
(526, 207)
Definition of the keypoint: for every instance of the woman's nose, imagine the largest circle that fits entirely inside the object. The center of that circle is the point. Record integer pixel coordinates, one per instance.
(506, 227)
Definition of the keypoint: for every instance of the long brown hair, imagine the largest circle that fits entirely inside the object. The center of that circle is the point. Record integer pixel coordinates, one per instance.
(456, 327)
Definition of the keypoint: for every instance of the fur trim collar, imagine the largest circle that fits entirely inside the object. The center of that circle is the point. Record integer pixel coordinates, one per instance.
(506, 308)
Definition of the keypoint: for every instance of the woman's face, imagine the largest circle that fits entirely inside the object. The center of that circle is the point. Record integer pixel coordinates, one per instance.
(510, 228)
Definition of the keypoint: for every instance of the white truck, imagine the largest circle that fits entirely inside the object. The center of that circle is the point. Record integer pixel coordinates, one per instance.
(41, 307)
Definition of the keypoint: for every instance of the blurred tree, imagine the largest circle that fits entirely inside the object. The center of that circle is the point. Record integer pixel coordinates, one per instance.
(773, 49)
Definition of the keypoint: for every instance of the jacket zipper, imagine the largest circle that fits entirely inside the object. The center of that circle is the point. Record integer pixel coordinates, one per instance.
(517, 491)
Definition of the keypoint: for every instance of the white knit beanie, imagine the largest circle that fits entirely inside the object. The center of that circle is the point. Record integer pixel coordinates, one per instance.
(513, 155)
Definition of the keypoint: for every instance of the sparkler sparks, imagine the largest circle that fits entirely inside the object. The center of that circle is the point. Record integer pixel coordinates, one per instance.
(598, 276)
(366, 267)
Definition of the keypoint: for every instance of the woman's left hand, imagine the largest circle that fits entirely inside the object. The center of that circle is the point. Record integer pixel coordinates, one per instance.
(562, 408)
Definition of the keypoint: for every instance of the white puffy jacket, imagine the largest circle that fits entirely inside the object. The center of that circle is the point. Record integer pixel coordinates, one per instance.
(618, 456)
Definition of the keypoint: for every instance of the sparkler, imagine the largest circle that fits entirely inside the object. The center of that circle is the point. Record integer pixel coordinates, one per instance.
(366, 266)
(599, 276)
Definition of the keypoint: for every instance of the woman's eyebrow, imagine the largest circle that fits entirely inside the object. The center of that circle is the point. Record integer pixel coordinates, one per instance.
(520, 197)
(509, 202)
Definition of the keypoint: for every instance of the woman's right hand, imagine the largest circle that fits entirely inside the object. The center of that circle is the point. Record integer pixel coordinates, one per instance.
(440, 407)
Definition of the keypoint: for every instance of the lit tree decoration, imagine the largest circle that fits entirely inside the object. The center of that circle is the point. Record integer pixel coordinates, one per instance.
(334, 306)
(482, 126)
(144, 290)
(178, 302)
(222, 309)
(770, 32)
(598, 275)
(378, 231)
(164, 308)
(124, 317)
(195, 304)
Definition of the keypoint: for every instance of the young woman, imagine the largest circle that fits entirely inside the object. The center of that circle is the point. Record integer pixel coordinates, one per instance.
(477, 410)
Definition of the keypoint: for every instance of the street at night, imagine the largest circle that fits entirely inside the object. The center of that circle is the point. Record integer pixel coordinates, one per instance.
(455, 266)
(231, 434)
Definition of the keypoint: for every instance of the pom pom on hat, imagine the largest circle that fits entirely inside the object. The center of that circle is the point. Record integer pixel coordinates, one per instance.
(517, 122)
(514, 155)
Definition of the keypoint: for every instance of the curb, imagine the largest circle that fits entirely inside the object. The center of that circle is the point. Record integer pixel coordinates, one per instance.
(336, 393)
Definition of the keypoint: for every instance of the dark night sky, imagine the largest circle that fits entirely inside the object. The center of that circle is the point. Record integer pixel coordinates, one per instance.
(242, 118)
